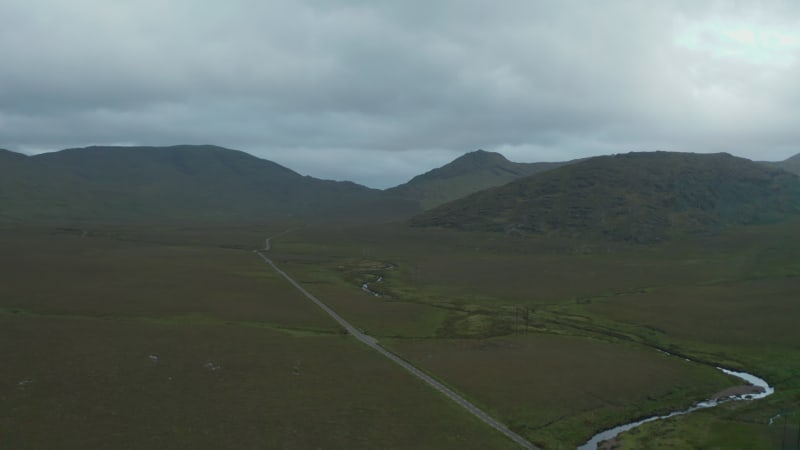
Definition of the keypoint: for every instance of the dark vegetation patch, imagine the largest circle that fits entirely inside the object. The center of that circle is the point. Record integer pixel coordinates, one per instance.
(637, 197)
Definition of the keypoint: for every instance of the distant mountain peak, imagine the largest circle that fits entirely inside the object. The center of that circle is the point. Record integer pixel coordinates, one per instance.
(475, 160)
(483, 155)
(640, 197)
(470, 172)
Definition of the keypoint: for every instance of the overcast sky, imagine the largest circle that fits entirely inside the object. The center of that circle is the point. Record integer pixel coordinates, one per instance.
(378, 91)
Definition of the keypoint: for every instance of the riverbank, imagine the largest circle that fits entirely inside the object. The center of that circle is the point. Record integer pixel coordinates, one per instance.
(756, 388)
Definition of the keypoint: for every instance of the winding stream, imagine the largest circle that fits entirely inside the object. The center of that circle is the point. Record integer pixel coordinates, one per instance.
(365, 288)
(760, 390)
(762, 387)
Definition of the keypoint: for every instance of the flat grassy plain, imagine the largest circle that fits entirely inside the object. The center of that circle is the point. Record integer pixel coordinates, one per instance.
(64, 274)
(705, 430)
(728, 299)
(556, 337)
(150, 338)
(557, 389)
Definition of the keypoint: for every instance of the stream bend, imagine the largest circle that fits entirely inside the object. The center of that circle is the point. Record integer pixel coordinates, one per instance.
(761, 387)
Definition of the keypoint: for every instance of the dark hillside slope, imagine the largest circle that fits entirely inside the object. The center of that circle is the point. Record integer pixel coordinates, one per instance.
(7, 155)
(641, 197)
(165, 183)
(791, 164)
(32, 191)
(466, 174)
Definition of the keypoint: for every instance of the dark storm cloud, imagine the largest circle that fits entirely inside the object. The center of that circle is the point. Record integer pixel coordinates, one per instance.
(380, 91)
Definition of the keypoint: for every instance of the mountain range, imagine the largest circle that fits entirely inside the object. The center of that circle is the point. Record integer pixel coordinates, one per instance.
(203, 182)
(169, 183)
(639, 196)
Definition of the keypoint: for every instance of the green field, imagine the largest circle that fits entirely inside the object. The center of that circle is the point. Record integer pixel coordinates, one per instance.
(728, 299)
(245, 361)
(111, 343)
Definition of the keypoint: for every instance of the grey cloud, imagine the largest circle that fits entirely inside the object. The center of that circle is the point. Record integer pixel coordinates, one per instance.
(304, 81)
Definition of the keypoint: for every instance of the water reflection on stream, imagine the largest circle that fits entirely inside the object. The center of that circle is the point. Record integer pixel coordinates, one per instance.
(763, 388)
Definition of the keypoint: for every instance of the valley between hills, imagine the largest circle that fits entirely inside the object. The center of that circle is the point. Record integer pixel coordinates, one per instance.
(561, 299)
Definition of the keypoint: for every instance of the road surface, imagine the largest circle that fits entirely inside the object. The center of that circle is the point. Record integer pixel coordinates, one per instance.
(373, 343)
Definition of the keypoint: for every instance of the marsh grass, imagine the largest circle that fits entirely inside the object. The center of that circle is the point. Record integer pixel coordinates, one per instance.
(118, 343)
(583, 360)
(728, 299)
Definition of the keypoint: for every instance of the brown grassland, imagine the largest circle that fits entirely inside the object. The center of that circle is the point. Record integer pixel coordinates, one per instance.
(556, 337)
(729, 299)
(110, 343)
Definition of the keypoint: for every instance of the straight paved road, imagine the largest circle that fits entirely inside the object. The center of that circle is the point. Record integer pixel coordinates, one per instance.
(373, 343)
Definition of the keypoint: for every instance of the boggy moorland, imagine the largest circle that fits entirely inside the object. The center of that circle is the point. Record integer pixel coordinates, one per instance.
(174, 334)
(556, 337)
